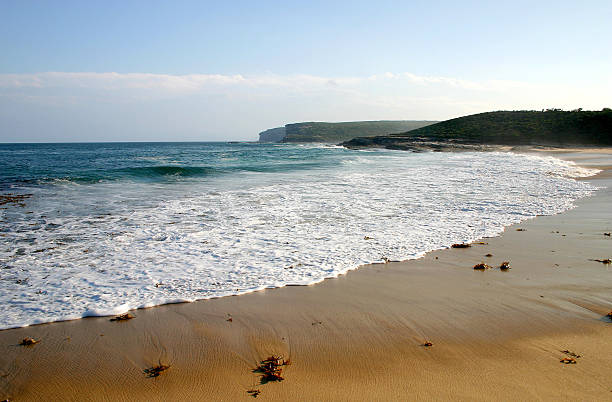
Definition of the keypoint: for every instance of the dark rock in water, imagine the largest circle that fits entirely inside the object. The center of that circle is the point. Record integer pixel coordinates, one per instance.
(14, 199)
(414, 144)
(52, 226)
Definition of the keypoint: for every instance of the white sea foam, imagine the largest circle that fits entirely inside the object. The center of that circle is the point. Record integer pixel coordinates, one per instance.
(105, 248)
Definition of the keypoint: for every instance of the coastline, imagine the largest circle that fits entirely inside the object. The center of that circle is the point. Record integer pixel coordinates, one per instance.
(496, 335)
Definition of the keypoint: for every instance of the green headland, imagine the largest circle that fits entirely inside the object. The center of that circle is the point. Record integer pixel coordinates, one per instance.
(551, 127)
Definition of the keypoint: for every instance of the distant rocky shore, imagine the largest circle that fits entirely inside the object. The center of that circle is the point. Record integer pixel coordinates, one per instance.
(415, 144)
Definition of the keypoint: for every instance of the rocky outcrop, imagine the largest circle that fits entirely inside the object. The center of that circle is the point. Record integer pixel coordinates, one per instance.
(415, 144)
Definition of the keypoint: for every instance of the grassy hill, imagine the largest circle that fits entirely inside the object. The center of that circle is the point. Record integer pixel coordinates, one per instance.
(337, 132)
(550, 127)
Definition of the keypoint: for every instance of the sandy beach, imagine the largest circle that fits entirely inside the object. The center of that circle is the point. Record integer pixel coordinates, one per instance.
(496, 335)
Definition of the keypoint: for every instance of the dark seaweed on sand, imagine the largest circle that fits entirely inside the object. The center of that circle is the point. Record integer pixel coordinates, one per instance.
(27, 341)
(570, 353)
(155, 371)
(122, 317)
(271, 369)
(505, 266)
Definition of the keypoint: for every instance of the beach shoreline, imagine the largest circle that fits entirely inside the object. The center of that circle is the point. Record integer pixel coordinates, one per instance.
(361, 336)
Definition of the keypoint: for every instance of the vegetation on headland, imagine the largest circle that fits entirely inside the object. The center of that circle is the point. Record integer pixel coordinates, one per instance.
(553, 127)
(337, 132)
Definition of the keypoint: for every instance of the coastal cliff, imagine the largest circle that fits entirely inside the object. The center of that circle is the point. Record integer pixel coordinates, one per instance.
(272, 135)
(552, 127)
(337, 132)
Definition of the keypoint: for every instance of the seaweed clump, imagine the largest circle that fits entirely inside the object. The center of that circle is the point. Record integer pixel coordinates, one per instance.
(482, 266)
(27, 341)
(461, 245)
(505, 266)
(570, 353)
(271, 369)
(122, 317)
(155, 371)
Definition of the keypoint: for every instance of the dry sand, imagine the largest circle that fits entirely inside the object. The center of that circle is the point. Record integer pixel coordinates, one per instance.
(496, 335)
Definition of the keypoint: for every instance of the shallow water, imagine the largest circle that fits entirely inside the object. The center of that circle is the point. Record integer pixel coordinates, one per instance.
(111, 227)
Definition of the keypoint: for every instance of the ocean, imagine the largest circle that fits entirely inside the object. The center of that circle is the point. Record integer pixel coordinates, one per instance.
(99, 229)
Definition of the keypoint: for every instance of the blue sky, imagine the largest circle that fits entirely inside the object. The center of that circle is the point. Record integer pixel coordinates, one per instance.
(197, 70)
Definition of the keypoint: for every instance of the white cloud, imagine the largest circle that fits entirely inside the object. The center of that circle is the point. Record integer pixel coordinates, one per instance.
(195, 82)
(117, 81)
(217, 106)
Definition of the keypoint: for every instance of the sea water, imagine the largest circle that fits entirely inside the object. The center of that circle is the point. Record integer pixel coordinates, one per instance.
(105, 228)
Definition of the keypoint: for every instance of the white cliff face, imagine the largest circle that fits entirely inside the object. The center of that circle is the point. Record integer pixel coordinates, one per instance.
(272, 135)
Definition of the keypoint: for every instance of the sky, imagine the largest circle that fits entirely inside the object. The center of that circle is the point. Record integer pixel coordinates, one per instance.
(213, 71)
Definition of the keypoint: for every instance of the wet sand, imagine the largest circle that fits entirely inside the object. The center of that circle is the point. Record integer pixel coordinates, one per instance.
(496, 335)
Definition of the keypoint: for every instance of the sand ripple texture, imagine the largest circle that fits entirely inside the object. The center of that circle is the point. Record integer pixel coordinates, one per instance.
(106, 247)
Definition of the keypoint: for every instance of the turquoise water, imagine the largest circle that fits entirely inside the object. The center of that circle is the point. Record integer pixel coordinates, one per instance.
(36, 164)
(104, 228)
